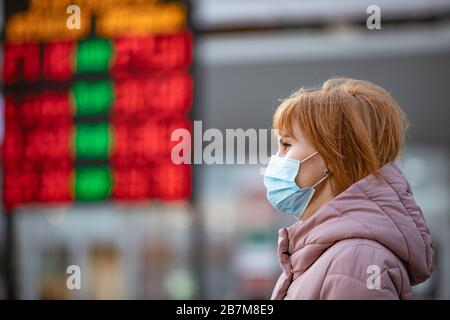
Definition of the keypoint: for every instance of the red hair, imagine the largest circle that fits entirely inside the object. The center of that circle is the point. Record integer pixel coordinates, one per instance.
(356, 126)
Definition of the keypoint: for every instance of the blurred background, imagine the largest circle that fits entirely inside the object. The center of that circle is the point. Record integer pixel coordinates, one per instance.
(87, 114)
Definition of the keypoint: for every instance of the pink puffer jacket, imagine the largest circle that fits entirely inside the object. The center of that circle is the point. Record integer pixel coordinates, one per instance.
(370, 242)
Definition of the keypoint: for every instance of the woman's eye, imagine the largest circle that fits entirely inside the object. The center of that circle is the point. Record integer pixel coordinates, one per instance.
(285, 145)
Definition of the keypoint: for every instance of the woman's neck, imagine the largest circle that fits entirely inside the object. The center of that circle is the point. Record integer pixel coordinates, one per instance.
(321, 197)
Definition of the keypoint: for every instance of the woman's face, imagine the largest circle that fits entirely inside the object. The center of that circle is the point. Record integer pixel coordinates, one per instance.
(299, 148)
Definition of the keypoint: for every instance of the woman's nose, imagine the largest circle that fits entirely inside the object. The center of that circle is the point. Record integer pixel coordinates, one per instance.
(280, 153)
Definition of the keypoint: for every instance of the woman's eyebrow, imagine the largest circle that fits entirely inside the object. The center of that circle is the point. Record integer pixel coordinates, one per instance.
(283, 139)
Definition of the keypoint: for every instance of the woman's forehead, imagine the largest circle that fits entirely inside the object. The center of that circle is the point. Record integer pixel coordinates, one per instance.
(294, 132)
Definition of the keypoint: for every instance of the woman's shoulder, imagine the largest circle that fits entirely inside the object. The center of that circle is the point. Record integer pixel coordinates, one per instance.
(358, 252)
(364, 265)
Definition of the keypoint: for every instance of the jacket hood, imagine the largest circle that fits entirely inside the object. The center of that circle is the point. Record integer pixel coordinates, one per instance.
(376, 208)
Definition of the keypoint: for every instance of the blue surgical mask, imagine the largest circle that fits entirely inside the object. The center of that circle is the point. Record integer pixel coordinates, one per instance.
(282, 191)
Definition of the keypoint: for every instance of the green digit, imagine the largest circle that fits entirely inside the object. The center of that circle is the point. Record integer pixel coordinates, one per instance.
(93, 183)
(94, 55)
(92, 98)
(92, 141)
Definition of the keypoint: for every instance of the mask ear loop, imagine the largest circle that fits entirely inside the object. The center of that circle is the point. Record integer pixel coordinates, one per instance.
(326, 175)
(310, 156)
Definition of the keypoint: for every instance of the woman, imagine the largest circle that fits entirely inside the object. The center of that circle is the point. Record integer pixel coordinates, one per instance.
(360, 234)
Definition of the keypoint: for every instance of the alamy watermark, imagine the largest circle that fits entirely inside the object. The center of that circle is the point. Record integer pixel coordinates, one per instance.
(73, 281)
(373, 22)
(74, 20)
(231, 146)
(374, 279)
